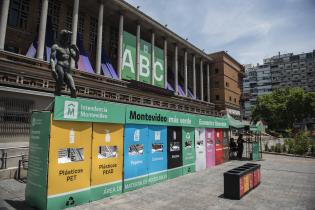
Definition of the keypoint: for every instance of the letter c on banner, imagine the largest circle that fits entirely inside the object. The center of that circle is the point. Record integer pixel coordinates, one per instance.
(158, 64)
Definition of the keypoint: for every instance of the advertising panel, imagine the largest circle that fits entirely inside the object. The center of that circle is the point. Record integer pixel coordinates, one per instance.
(210, 147)
(107, 160)
(174, 152)
(69, 164)
(159, 67)
(157, 154)
(135, 156)
(145, 62)
(129, 57)
(200, 145)
(188, 147)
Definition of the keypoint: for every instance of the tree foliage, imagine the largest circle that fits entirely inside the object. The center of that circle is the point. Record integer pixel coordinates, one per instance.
(282, 108)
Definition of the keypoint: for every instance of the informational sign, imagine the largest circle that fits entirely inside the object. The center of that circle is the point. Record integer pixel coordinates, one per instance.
(210, 147)
(210, 122)
(135, 156)
(74, 109)
(174, 153)
(107, 160)
(145, 65)
(36, 187)
(219, 154)
(200, 145)
(151, 116)
(157, 154)
(188, 147)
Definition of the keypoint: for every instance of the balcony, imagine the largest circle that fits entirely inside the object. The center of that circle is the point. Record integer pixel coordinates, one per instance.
(27, 73)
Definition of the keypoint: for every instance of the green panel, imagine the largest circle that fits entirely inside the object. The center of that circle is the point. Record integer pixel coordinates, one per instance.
(129, 57)
(174, 172)
(106, 190)
(73, 109)
(70, 199)
(157, 177)
(188, 145)
(145, 62)
(135, 183)
(187, 169)
(151, 116)
(159, 67)
(36, 187)
(211, 122)
(255, 150)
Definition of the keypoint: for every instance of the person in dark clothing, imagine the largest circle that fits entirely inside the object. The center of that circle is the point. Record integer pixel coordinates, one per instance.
(233, 148)
(240, 146)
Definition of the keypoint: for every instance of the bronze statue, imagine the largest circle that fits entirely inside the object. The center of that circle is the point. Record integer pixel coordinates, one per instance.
(67, 56)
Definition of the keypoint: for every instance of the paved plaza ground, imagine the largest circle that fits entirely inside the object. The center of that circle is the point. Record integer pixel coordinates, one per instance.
(287, 183)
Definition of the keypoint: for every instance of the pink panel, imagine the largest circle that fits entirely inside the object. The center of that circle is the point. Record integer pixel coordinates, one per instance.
(210, 147)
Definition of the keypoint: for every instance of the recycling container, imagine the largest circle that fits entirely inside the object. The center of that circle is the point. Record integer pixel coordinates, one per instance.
(218, 147)
(200, 146)
(157, 154)
(107, 160)
(226, 145)
(188, 148)
(255, 151)
(174, 152)
(210, 147)
(69, 165)
(135, 156)
(239, 181)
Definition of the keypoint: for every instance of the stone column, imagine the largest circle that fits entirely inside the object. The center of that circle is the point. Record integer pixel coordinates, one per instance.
(165, 63)
(152, 58)
(42, 30)
(194, 77)
(208, 83)
(120, 45)
(185, 74)
(176, 70)
(75, 15)
(138, 39)
(3, 22)
(201, 80)
(99, 38)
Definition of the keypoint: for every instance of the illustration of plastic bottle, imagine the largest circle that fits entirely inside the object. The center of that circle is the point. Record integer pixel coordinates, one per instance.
(136, 135)
(71, 136)
(107, 136)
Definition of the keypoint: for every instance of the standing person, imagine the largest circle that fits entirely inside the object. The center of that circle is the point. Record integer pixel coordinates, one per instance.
(240, 146)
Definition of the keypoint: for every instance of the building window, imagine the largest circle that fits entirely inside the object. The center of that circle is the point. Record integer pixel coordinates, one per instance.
(53, 12)
(18, 13)
(93, 32)
(216, 71)
(217, 97)
(68, 22)
(216, 84)
(230, 98)
(234, 100)
(227, 84)
(81, 24)
(15, 117)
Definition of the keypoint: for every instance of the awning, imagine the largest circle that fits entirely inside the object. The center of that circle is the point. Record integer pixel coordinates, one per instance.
(233, 122)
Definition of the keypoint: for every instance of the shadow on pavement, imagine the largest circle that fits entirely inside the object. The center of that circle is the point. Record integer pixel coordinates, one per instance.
(19, 205)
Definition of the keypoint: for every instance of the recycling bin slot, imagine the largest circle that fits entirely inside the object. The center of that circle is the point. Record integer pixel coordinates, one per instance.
(241, 180)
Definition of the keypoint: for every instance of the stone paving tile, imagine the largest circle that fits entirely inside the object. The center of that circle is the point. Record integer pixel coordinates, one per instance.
(287, 183)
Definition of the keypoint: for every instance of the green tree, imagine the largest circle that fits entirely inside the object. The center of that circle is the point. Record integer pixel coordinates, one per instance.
(284, 107)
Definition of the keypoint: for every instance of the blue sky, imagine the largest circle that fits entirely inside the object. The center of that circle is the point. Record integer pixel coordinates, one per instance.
(250, 30)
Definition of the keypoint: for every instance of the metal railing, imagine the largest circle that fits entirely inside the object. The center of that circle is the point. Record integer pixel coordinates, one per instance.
(4, 155)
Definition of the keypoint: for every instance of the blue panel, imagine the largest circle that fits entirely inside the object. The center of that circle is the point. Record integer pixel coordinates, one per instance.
(157, 149)
(135, 155)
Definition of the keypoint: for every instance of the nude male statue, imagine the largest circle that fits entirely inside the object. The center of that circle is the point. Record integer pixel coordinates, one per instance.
(67, 56)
